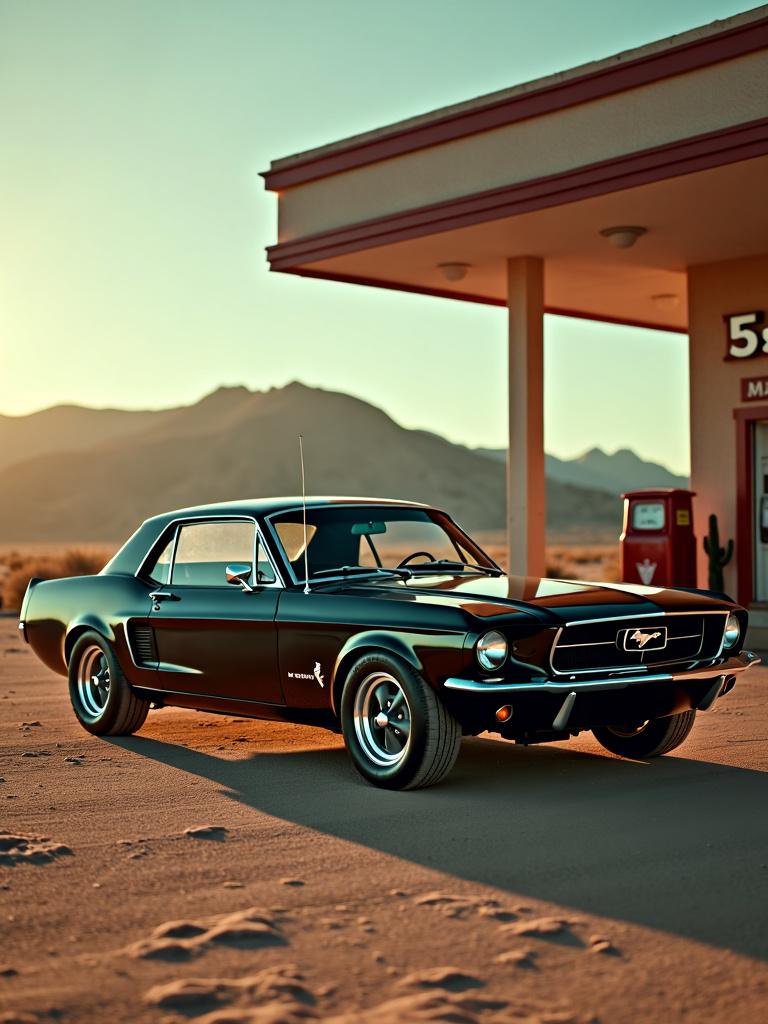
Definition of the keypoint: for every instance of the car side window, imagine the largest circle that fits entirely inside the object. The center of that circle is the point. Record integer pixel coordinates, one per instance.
(204, 550)
(159, 572)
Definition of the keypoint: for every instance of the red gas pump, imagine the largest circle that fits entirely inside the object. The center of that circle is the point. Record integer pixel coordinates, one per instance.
(658, 547)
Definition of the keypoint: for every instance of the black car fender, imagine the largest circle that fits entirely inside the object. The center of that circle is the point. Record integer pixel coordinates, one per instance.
(86, 624)
(400, 644)
(56, 612)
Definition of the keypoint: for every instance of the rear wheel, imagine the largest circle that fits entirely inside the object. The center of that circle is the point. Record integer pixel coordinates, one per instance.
(101, 696)
(397, 731)
(646, 739)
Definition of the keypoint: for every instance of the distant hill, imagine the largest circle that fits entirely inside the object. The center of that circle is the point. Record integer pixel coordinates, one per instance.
(85, 474)
(597, 470)
(66, 428)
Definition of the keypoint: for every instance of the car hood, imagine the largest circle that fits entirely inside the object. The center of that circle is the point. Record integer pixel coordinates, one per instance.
(488, 597)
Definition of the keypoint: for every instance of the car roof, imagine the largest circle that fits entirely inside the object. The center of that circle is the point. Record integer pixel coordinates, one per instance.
(268, 506)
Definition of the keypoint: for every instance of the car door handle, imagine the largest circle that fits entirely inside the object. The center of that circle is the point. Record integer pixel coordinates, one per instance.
(163, 595)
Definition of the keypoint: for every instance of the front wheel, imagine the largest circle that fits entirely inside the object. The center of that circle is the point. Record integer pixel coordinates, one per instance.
(101, 696)
(397, 731)
(646, 739)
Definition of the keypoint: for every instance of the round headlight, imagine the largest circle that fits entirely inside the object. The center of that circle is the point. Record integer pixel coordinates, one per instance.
(491, 650)
(732, 631)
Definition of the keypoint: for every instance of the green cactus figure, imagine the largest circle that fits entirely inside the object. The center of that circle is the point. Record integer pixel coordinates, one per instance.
(718, 557)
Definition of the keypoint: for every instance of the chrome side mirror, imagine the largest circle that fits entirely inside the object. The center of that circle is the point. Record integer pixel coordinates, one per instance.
(238, 574)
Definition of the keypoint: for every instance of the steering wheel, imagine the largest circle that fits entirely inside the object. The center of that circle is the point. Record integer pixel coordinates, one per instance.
(416, 554)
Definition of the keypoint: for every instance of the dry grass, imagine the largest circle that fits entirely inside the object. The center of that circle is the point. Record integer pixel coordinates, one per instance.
(48, 562)
(597, 562)
(567, 559)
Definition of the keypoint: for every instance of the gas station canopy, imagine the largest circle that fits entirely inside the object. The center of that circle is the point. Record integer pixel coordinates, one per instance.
(671, 138)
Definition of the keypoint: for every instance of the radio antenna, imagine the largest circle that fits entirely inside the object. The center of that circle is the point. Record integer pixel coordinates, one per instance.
(304, 509)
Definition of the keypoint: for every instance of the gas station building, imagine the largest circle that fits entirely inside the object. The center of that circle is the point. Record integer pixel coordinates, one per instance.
(632, 190)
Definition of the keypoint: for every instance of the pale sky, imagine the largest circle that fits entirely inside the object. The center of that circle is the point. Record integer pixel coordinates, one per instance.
(133, 221)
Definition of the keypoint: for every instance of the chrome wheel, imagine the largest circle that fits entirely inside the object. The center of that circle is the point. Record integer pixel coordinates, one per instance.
(382, 718)
(93, 683)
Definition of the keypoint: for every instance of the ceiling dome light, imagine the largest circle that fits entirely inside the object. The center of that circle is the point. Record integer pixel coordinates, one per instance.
(454, 271)
(624, 236)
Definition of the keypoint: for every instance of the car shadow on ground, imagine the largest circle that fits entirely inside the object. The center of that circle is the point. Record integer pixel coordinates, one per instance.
(674, 844)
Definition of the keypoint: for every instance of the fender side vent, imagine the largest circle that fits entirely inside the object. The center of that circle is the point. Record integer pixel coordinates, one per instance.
(143, 645)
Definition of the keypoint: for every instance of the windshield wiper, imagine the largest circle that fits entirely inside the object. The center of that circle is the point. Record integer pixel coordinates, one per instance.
(346, 571)
(447, 563)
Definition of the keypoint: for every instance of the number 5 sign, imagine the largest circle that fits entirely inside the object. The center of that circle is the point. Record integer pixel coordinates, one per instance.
(747, 336)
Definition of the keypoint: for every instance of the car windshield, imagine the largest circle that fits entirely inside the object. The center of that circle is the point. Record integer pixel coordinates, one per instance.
(352, 539)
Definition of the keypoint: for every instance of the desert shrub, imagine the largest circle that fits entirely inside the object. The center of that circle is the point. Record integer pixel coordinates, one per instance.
(611, 572)
(21, 569)
(575, 562)
(77, 562)
(11, 560)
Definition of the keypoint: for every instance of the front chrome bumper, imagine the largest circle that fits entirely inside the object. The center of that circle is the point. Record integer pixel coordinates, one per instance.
(720, 667)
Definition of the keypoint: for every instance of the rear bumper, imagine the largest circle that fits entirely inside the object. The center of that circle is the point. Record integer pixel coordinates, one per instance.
(721, 666)
(548, 708)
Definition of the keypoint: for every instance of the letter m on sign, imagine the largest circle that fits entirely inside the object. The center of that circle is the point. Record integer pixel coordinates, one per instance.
(754, 388)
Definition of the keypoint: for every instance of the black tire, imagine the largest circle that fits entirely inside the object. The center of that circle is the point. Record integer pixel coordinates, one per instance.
(383, 755)
(656, 737)
(107, 707)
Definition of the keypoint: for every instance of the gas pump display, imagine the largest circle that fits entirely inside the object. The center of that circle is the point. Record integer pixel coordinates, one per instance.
(648, 515)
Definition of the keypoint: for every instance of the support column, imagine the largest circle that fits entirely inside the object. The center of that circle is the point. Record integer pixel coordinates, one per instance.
(526, 494)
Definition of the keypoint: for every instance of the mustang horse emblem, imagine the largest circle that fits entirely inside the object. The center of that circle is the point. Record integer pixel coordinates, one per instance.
(643, 638)
(318, 674)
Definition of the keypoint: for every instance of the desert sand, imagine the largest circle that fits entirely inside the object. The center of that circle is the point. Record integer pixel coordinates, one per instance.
(215, 869)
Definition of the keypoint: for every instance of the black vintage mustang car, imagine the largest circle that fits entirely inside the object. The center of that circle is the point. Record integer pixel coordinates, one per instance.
(384, 620)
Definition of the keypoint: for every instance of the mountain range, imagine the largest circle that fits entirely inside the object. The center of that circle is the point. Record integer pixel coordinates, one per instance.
(622, 471)
(71, 473)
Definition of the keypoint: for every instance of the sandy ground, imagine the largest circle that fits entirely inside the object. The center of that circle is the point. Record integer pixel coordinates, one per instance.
(551, 884)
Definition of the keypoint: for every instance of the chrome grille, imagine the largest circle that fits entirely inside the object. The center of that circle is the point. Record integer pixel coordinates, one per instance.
(143, 645)
(611, 644)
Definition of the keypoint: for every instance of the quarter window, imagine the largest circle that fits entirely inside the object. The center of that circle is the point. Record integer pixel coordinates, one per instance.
(264, 571)
(160, 570)
(204, 551)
